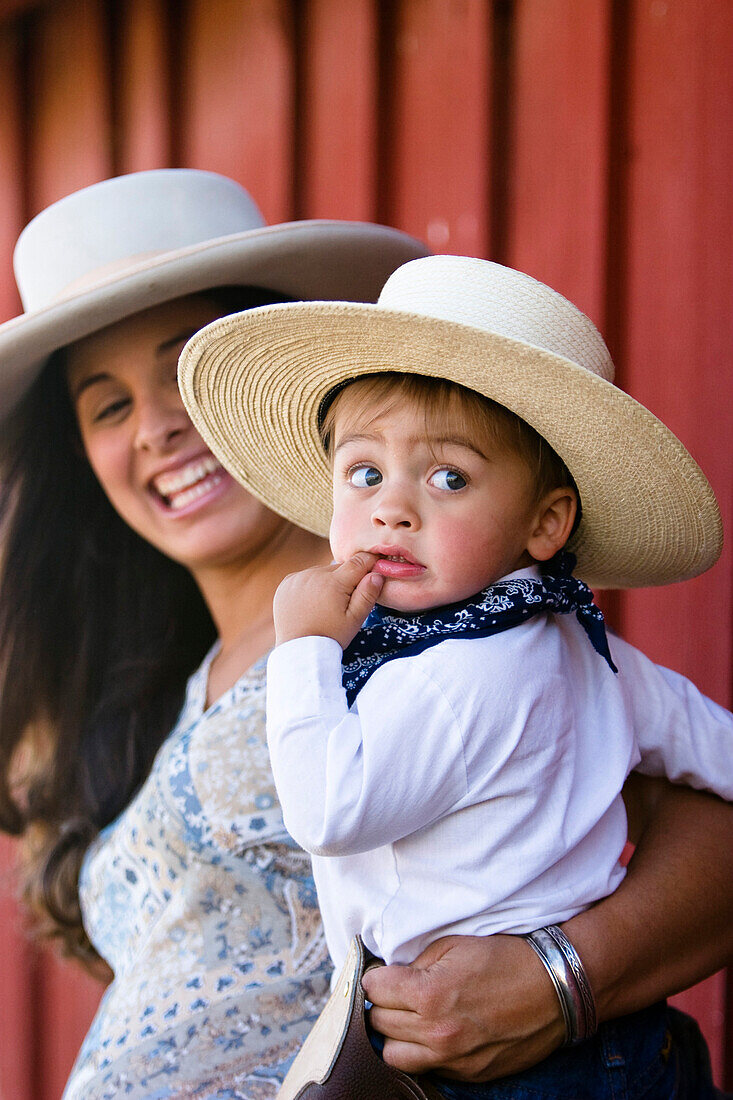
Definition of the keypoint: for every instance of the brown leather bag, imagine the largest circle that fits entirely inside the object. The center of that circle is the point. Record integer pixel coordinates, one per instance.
(337, 1060)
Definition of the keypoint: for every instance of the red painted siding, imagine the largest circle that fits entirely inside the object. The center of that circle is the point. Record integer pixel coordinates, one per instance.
(68, 62)
(437, 123)
(338, 110)
(557, 197)
(238, 96)
(588, 144)
(144, 90)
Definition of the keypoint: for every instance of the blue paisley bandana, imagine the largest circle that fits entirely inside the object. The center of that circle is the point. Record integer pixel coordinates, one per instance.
(387, 634)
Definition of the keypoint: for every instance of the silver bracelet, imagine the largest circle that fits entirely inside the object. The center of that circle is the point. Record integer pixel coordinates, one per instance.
(570, 980)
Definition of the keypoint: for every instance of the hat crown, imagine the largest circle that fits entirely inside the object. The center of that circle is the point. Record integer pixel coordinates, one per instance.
(114, 223)
(487, 296)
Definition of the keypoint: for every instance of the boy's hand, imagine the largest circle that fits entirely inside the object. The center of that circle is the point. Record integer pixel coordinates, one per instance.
(328, 601)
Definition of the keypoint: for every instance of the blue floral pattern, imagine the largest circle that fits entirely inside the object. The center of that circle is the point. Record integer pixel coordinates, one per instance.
(206, 911)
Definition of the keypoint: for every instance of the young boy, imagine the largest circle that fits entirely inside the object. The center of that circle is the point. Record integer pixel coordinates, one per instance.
(455, 764)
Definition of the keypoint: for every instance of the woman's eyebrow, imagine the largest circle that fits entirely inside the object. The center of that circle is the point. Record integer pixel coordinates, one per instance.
(161, 349)
(180, 338)
(90, 380)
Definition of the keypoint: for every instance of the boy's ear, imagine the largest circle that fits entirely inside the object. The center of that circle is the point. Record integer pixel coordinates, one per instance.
(555, 517)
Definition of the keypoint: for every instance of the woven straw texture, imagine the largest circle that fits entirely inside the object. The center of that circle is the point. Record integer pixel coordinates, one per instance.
(253, 384)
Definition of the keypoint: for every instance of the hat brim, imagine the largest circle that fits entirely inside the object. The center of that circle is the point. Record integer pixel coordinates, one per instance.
(306, 259)
(253, 384)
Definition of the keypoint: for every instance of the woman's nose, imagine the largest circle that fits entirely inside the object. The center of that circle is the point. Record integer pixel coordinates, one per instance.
(394, 510)
(160, 422)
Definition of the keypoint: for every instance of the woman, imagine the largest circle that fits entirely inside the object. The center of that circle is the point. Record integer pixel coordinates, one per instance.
(133, 564)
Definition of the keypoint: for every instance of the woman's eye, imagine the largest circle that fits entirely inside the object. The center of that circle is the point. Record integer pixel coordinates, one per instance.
(365, 477)
(111, 410)
(449, 480)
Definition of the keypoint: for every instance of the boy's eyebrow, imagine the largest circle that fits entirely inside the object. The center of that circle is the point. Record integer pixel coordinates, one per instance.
(357, 437)
(457, 441)
(443, 440)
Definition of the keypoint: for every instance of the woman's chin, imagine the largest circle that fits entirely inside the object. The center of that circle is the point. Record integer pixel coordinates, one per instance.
(214, 528)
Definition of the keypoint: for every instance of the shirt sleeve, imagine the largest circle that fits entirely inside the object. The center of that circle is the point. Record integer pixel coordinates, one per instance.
(352, 780)
(680, 733)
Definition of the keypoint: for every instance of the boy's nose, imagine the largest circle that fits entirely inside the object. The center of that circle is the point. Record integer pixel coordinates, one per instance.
(394, 512)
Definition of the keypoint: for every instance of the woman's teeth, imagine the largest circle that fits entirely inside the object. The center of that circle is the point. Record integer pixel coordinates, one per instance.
(181, 500)
(181, 487)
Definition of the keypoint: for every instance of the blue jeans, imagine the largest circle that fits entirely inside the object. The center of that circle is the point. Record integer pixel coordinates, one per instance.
(655, 1054)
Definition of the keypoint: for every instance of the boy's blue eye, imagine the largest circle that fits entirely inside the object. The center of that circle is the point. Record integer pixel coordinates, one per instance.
(365, 477)
(449, 480)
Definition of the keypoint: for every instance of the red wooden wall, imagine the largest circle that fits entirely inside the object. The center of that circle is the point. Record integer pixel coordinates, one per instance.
(587, 142)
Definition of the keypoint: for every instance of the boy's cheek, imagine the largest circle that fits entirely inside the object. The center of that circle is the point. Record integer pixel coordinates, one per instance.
(340, 541)
(462, 549)
(342, 535)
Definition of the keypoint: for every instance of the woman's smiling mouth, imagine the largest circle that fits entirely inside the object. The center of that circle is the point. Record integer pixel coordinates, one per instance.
(180, 488)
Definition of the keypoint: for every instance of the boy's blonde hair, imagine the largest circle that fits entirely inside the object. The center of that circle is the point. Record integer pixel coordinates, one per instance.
(486, 423)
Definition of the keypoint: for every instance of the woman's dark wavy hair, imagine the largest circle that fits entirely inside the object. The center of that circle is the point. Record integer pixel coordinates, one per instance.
(99, 632)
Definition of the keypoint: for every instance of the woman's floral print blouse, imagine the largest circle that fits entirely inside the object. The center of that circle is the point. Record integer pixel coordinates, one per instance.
(206, 911)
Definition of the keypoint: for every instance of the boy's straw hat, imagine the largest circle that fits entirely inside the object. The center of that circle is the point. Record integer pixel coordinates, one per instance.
(132, 242)
(254, 385)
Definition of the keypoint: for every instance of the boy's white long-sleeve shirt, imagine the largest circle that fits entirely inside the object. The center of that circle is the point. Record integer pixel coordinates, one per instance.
(475, 787)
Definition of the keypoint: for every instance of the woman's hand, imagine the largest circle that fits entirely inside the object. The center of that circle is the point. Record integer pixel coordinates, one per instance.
(670, 923)
(484, 1008)
(476, 1007)
(327, 601)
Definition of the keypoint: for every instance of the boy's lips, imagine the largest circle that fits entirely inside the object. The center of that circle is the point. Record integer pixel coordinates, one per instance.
(396, 563)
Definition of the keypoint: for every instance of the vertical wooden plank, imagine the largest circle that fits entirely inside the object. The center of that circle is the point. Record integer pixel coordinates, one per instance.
(17, 1015)
(9, 8)
(556, 219)
(237, 98)
(68, 1001)
(337, 165)
(143, 86)
(678, 325)
(727, 1075)
(436, 176)
(11, 166)
(18, 956)
(69, 139)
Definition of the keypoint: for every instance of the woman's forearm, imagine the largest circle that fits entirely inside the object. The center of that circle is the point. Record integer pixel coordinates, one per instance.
(670, 923)
(482, 1008)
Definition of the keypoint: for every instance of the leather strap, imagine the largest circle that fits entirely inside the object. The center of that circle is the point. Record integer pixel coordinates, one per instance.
(337, 1060)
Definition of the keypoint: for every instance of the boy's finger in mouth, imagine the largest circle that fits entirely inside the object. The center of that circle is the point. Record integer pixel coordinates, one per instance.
(396, 563)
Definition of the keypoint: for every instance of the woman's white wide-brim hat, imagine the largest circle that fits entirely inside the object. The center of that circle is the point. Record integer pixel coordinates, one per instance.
(135, 241)
(255, 385)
